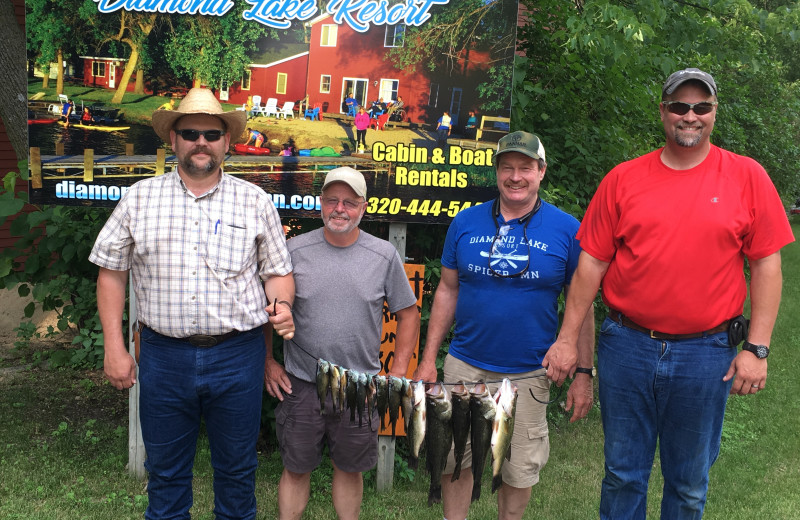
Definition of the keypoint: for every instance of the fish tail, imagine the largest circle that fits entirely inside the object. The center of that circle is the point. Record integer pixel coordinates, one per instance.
(476, 490)
(497, 482)
(456, 472)
(383, 421)
(435, 495)
(413, 463)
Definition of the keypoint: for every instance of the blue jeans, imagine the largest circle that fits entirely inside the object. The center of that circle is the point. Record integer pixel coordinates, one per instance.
(670, 392)
(180, 384)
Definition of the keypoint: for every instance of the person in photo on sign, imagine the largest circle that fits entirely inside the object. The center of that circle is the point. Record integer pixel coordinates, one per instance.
(443, 129)
(504, 265)
(254, 137)
(343, 277)
(169, 105)
(362, 124)
(207, 253)
(66, 110)
(666, 236)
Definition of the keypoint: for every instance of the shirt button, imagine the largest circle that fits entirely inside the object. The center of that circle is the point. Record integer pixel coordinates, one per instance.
(194, 298)
(196, 223)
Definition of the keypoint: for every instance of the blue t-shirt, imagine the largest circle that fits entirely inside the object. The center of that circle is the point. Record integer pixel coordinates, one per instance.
(507, 324)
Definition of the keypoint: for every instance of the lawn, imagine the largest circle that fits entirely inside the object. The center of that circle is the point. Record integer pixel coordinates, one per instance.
(64, 449)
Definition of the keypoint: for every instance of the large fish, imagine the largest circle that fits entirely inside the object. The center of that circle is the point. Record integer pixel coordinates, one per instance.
(438, 437)
(335, 381)
(482, 410)
(323, 382)
(382, 397)
(352, 393)
(503, 429)
(461, 425)
(395, 386)
(416, 428)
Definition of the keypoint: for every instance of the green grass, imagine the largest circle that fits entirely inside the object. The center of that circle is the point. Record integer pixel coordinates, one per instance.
(63, 450)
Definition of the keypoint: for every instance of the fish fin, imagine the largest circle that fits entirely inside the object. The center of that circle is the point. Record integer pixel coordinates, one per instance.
(508, 452)
(456, 473)
(497, 482)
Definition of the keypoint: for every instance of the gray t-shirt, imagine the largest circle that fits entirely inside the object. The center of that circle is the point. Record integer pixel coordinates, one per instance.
(338, 306)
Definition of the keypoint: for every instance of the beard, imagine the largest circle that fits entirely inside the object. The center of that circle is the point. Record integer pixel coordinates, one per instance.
(195, 169)
(687, 141)
(339, 226)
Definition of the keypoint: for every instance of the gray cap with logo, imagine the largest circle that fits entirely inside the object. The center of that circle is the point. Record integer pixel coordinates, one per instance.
(522, 142)
(676, 79)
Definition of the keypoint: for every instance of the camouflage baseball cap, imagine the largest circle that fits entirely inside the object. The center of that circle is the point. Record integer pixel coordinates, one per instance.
(676, 79)
(521, 142)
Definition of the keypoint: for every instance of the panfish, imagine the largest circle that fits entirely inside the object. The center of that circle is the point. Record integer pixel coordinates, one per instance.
(361, 397)
(416, 431)
(406, 401)
(382, 397)
(438, 437)
(342, 389)
(370, 398)
(323, 382)
(352, 393)
(461, 425)
(395, 386)
(502, 429)
(482, 410)
(335, 381)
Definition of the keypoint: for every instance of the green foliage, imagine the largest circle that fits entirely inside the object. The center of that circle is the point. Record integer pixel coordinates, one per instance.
(48, 262)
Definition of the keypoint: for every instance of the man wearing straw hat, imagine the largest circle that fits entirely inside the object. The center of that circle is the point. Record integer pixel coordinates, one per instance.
(198, 243)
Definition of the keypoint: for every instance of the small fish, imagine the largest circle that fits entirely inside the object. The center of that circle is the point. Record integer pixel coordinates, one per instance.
(342, 389)
(361, 397)
(382, 399)
(482, 409)
(502, 429)
(438, 437)
(323, 382)
(370, 398)
(352, 393)
(395, 386)
(335, 381)
(406, 401)
(461, 425)
(416, 428)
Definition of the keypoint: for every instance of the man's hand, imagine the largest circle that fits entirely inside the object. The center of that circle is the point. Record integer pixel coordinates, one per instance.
(560, 361)
(580, 396)
(425, 372)
(119, 367)
(280, 316)
(750, 372)
(276, 379)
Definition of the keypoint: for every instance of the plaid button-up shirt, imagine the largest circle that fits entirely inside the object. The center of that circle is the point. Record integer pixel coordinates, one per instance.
(197, 262)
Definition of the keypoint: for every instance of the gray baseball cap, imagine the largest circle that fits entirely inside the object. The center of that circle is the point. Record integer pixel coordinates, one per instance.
(676, 79)
(521, 142)
(349, 176)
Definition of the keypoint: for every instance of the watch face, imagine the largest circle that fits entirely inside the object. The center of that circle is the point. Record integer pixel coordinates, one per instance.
(761, 352)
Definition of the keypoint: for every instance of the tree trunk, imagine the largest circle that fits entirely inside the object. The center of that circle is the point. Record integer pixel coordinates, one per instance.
(13, 88)
(126, 76)
(60, 72)
(139, 89)
(45, 78)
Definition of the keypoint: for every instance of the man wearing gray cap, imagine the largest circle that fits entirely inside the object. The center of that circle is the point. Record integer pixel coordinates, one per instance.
(666, 235)
(207, 253)
(343, 275)
(504, 265)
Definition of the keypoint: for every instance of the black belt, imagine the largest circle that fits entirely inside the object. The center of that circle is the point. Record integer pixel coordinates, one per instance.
(200, 340)
(627, 322)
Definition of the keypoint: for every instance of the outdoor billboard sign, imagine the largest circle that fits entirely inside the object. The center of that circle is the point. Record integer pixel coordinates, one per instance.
(299, 68)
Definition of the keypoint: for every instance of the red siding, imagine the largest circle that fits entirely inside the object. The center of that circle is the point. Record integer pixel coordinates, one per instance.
(264, 82)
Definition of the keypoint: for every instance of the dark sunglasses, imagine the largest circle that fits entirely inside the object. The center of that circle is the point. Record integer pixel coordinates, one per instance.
(681, 109)
(194, 135)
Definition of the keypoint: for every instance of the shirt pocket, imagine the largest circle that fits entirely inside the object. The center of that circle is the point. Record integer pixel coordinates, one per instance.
(231, 248)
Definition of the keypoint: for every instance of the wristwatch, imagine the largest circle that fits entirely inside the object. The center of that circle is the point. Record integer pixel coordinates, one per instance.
(761, 351)
(591, 372)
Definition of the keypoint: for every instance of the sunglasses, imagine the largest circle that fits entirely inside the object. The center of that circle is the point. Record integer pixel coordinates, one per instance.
(194, 135)
(348, 203)
(680, 108)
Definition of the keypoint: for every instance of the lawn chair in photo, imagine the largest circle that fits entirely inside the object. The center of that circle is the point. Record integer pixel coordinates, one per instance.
(287, 110)
(271, 108)
(379, 122)
(313, 113)
(257, 108)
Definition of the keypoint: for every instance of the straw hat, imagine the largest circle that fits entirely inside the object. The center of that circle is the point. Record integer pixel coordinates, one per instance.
(199, 101)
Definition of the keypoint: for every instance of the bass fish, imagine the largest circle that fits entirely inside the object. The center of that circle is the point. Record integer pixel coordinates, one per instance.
(382, 397)
(335, 381)
(352, 393)
(461, 425)
(502, 429)
(482, 409)
(407, 402)
(323, 382)
(416, 428)
(395, 386)
(438, 437)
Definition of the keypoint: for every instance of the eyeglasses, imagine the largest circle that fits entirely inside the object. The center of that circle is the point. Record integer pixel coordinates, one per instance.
(504, 260)
(194, 135)
(348, 203)
(681, 109)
